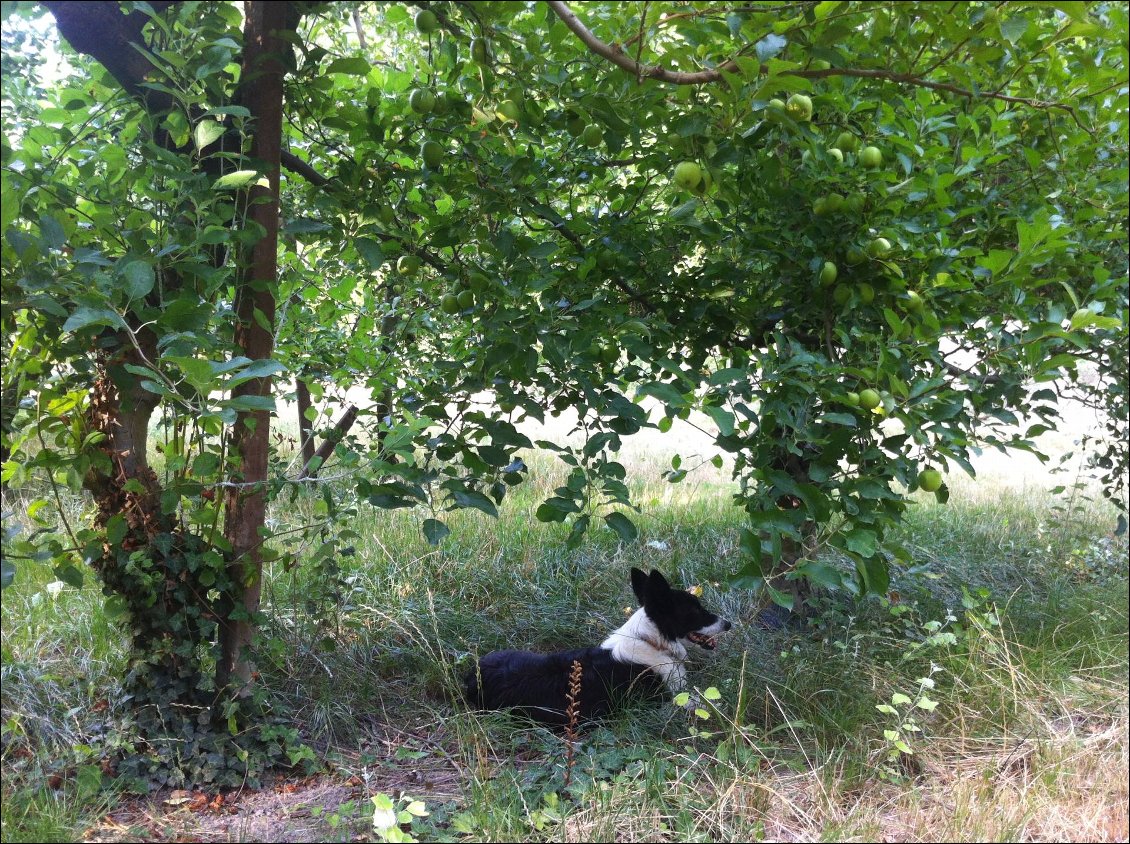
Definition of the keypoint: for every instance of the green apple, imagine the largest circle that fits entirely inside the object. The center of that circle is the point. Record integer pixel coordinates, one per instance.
(842, 294)
(828, 274)
(480, 50)
(871, 157)
(449, 303)
(466, 299)
(408, 265)
(421, 100)
(442, 104)
(432, 154)
(592, 136)
(508, 110)
(688, 175)
(869, 399)
(705, 185)
(775, 111)
(855, 256)
(847, 142)
(852, 399)
(836, 154)
(426, 21)
(879, 247)
(799, 108)
(930, 480)
(914, 303)
(866, 293)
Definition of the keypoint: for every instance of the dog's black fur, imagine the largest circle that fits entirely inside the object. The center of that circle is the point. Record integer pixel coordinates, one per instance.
(644, 659)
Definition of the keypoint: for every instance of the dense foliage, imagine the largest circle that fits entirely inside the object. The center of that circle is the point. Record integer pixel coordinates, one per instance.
(862, 239)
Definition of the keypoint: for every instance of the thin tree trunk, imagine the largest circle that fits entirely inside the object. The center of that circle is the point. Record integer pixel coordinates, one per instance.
(246, 502)
(332, 439)
(305, 426)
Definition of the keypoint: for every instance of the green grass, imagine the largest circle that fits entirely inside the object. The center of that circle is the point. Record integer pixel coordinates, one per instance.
(1028, 739)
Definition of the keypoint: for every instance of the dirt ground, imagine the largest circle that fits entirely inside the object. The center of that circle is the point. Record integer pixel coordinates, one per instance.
(333, 806)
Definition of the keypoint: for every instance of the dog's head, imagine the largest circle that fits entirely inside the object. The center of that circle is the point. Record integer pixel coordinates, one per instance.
(676, 614)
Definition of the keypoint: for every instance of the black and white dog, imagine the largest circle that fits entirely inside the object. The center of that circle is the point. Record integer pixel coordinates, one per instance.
(645, 656)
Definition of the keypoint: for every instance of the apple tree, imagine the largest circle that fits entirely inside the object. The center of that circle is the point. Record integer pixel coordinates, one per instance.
(862, 239)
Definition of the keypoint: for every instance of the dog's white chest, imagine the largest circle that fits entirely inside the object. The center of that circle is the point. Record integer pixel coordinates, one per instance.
(638, 641)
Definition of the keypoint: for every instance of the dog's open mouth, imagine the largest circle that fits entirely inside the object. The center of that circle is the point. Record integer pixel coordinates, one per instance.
(702, 640)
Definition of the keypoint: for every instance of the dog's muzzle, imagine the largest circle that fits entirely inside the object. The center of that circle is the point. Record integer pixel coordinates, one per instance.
(709, 641)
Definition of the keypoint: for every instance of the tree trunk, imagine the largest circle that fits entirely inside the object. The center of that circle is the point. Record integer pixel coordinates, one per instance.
(120, 408)
(332, 439)
(305, 426)
(246, 501)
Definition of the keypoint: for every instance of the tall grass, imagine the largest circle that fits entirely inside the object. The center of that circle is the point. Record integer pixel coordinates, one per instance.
(1017, 615)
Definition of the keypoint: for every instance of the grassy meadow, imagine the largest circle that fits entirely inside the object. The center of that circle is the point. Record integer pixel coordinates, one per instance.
(1000, 664)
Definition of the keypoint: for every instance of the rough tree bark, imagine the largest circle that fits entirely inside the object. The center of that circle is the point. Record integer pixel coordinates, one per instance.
(120, 407)
(246, 502)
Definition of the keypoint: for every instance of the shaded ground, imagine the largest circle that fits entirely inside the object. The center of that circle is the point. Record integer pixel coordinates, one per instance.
(334, 806)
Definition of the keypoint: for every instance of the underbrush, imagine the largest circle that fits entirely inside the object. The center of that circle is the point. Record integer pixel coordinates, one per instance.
(985, 696)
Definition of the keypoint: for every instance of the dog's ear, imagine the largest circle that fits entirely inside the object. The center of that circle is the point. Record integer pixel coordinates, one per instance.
(658, 583)
(639, 585)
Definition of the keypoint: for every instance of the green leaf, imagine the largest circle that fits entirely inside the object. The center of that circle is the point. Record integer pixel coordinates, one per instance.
(351, 65)
(435, 531)
(250, 403)
(821, 574)
(722, 418)
(845, 419)
(666, 393)
(862, 542)
(239, 179)
(556, 509)
(781, 599)
(874, 575)
(206, 132)
(473, 499)
(85, 317)
(139, 279)
(1013, 28)
(622, 525)
(69, 575)
(261, 368)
